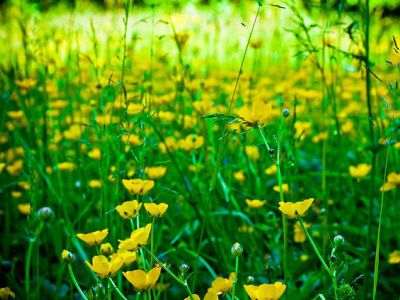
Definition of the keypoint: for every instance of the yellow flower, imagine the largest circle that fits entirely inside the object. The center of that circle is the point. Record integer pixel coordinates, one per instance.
(394, 257)
(155, 172)
(285, 188)
(265, 291)
(105, 268)
(95, 184)
(258, 115)
(297, 209)
(2, 166)
(6, 292)
(15, 168)
(129, 209)
(299, 235)
(156, 210)
(239, 176)
(256, 204)
(25, 208)
(93, 238)
(138, 186)
(138, 238)
(194, 296)
(222, 285)
(191, 142)
(142, 280)
(106, 249)
(252, 152)
(95, 154)
(66, 166)
(359, 171)
(271, 170)
(127, 257)
(393, 180)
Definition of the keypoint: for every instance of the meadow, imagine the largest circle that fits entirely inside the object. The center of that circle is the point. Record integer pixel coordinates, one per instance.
(199, 150)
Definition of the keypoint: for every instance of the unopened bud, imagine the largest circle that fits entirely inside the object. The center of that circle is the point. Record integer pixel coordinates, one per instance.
(249, 279)
(67, 257)
(236, 249)
(285, 112)
(184, 268)
(45, 213)
(106, 249)
(338, 241)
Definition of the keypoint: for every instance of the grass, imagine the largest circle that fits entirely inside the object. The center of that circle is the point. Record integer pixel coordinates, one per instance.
(227, 113)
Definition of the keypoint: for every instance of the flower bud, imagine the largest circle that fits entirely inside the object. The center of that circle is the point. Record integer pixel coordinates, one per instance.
(45, 213)
(236, 249)
(285, 112)
(184, 268)
(106, 249)
(271, 151)
(249, 279)
(67, 257)
(338, 241)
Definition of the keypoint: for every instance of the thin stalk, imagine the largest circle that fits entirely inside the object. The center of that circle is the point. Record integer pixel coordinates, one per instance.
(75, 282)
(29, 258)
(236, 276)
(179, 280)
(152, 240)
(221, 150)
(116, 289)
(378, 239)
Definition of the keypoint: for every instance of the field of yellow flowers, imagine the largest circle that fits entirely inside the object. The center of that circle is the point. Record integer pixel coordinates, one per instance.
(184, 150)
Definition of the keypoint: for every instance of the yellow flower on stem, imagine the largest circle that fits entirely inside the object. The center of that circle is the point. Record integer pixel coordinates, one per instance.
(155, 172)
(129, 209)
(138, 186)
(105, 268)
(297, 209)
(106, 249)
(393, 180)
(265, 291)
(394, 257)
(156, 210)
(299, 235)
(138, 238)
(142, 280)
(6, 292)
(128, 257)
(222, 285)
(255, 204)
(93, 238)
(285, 188)
(67, 257)
(359, 171)
(25, 208)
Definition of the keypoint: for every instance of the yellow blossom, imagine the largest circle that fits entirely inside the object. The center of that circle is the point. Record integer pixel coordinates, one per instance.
(138, 238)
(25, 208)
(272, 291)
(142, 280)
(394, 257)
(222, 285)
(138, 186)
(105, 268)
(155, 172)
(256, 204)
(129, 209)
(359, 171)
(156, 210)
(6, 293)
(93, 238)
(297, 209)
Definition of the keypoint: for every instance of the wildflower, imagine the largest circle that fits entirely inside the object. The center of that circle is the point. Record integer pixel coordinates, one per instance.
(222, 285)
(105, 268)
(131, 139)
(297, 209)
(65, 166)
(45, 213)
(138, 238)
(128, 257)
(191, 142)
(93, 238)
(142, 280)
(73, 133)
(299, 235)
(138, 186)
(106, 249)
(129, 209)
(2, 166)
(394, 257)
(237, 249)
(239, 176)
(258, 115)
(67, 257)
(25, 208)
(271, 170)
(252, 153)
(95, 154)
(393, 180)
(6, 292)
(15, 168)
(95, 184)
(194, 297)
(155, 172)
(265, 291)
(156, 210)
(285, 188)
(255, 204)
(359, 171)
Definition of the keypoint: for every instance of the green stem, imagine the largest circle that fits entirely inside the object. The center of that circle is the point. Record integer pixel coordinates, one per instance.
(236, 276)
(152, 240)
(116, 289)
(162, 265)
(32, 242)
(76, 284)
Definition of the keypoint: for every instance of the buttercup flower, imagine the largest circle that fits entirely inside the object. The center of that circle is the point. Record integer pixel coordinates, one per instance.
(256, 204)
(394, 257)
(155, 172)
(138, 186)
(67, 257)
(129, 209)
(142, 280)
(138, 238)
(297, 209)
(6, 292)
(393, 180)
(265, 291)
(222, 285)
(127, 257)
(93, 238)
(359, 171)
(106, 249)
(105, 268)
(156, 210)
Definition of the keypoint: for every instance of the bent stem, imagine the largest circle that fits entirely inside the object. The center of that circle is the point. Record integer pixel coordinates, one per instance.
(162, 265)
(331, 273)
(75, 282)
(116, 289)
